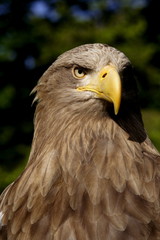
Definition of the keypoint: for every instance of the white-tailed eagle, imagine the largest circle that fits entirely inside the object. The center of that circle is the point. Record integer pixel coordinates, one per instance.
(92, 174)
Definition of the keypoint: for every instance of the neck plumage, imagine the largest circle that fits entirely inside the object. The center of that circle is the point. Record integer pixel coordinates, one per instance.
(67, 137)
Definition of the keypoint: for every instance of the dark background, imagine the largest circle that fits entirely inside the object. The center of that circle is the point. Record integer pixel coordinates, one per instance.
(34, 33)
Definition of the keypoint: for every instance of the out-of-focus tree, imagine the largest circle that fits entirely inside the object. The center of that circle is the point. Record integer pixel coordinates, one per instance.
(34, 33)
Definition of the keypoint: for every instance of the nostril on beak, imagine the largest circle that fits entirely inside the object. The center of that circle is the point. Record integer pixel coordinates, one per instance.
(104, 75)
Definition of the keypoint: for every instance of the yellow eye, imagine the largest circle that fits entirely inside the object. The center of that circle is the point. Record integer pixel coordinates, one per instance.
(78, 72)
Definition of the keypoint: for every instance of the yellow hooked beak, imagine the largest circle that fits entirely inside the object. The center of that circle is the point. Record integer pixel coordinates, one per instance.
(106, 85)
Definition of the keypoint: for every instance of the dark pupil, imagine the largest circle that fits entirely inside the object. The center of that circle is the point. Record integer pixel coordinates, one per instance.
(80, 71)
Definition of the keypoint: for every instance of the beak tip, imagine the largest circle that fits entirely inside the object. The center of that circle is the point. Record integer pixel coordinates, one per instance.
(116, 109)
(115, 112)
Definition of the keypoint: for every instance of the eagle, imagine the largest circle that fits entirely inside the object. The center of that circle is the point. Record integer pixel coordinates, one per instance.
(93, 173)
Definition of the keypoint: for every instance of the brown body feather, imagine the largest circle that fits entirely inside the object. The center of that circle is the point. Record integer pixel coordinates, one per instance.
(91, 175)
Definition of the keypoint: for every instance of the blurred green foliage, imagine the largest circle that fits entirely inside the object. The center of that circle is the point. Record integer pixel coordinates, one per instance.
(34, 33)
(151, 120)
